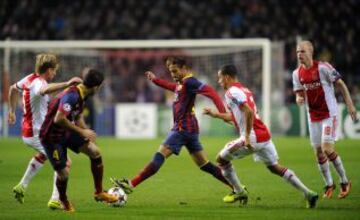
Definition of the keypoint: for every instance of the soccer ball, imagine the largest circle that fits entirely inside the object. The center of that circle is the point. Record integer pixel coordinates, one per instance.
(118, 191)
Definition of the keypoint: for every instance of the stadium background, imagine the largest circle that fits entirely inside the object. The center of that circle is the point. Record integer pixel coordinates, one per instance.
(333, 32)
(333, 27)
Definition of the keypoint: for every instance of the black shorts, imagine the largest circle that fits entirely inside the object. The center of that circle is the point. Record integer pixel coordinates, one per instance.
(57, 151)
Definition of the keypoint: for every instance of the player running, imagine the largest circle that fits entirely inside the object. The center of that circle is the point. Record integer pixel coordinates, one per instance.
(64, 127)
(185, 130)
(254, 138)
(313, 83)
(35, 90)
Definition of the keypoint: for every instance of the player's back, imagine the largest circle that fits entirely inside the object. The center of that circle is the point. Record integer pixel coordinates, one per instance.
(237, 95)
(51, 132)
(34, 104)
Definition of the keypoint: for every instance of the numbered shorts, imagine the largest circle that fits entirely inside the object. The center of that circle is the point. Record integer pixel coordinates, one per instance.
(323, 131)
(57, 152)
(35, 143)
(264, 151)
(176, 139)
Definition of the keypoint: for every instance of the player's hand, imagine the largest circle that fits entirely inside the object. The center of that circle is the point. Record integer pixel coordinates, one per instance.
(89, 134)
(353, 113)
(248, 144)
(11, 118)
(208, 111)
(300, 100)
(74, 81)
(150, 75)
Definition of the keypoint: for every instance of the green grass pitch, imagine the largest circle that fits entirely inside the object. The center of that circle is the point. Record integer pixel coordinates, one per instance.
(180, 190)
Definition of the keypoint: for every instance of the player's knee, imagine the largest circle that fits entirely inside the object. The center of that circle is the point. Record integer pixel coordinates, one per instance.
(68, 163)
(41, 157)
(62, 174)
(276, 169)
(221, 161)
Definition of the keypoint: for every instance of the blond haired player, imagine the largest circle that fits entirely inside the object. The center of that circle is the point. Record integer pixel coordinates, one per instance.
(35, 89)
(313, 83)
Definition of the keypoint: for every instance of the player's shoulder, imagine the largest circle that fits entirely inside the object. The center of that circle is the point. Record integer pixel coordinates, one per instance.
(296, 71)
(325, 66)
(235, 90)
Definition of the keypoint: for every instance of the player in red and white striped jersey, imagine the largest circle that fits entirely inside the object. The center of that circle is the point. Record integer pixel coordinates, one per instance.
(254, 138)
(35, 89)
(313, 83)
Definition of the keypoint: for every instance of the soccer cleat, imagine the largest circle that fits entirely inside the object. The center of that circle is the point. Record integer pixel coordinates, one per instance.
(242, 197)
(123, 183)
(19, 191)
(54, 204)
(105, 197)
(311, 199)
(344, 190)
(67, 206)
(328, 191)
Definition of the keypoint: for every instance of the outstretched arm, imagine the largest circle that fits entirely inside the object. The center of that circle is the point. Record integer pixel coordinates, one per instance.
(13, 96)
(226, 116)
(53, 87)
(209, 92)
(160, 82)
(345, 93)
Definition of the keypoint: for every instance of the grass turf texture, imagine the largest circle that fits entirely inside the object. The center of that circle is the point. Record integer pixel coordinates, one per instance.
(180, 190)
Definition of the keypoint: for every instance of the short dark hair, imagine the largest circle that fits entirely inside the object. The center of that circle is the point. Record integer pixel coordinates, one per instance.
(178, 61)
(93, 78)
(229, 70)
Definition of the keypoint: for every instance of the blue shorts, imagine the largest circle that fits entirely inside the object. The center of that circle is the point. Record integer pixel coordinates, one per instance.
(176, 139)
(57, 152)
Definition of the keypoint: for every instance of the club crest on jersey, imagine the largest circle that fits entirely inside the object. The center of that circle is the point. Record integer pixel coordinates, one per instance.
(67, 107)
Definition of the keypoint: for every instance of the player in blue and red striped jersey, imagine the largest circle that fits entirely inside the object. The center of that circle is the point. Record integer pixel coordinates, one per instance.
(64, 127)
(185, 131)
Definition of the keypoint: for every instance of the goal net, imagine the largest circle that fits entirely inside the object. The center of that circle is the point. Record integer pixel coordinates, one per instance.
(259, 62)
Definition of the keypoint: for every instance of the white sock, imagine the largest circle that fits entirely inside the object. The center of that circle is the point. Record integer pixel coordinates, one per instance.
(31, 170)
(340, 169)
(325, 171)
(231, 176)
(55, 192)
(291, 178)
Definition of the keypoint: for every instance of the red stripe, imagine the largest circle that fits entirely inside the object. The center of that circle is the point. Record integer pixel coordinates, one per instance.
(41, 158)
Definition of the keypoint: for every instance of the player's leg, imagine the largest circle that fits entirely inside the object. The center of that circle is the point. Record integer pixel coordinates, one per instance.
(172, 145)
(35, 164)
(97, 167)
(267, 153)
(57, 155)
(328, 143)
(323, 164)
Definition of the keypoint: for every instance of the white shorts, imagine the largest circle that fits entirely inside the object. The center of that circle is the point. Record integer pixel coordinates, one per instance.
(34, 142)
(264, 151)
(323, 131)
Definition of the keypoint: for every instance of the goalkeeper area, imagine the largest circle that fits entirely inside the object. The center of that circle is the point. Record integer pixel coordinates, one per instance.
(180, 190)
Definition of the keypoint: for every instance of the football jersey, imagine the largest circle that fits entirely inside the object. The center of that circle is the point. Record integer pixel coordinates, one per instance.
(34, 104)
(183, 106)
(318, 84)
(236, 96)
(71, 103)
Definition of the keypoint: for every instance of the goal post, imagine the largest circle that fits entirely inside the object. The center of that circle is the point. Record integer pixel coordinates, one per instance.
(252, 56)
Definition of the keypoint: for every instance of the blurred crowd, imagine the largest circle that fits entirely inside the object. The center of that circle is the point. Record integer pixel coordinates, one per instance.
(333, 26)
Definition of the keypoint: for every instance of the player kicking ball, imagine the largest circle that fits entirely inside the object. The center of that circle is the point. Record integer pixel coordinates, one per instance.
(254, 138)
(64, 127)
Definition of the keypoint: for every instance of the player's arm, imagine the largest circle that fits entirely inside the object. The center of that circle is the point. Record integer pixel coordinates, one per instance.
(160, 82)
(300, 97)
(340, 84)
(54, 87)
(209, 92)
(298, 88)
(13, 97)
(226, 116)
(80, 121)
(249, 120)
(61, 120)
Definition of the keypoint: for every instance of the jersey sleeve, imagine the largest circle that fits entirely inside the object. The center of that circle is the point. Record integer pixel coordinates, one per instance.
(330, 73)
(20, 84)
(236, 97)
(296, 82)
(67, 103)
